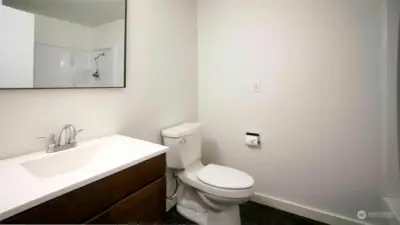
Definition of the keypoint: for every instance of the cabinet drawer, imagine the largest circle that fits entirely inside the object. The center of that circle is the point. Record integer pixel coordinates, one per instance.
(84, 203)
(146, 206)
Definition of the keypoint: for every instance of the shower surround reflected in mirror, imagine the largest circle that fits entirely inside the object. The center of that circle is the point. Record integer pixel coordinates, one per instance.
(63, 44)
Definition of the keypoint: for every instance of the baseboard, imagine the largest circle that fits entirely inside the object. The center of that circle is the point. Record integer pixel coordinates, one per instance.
(305, 211)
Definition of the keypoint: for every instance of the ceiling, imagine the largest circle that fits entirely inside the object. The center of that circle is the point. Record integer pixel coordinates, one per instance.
(85, 12)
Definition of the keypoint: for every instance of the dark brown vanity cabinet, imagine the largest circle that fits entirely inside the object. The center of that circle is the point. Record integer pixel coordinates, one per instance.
(135, 195)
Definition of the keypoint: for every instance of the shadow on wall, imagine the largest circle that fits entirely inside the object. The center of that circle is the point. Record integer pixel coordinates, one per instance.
(210, 152)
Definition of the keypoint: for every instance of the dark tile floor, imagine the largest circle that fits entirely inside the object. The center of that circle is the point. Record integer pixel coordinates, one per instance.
(253, 214)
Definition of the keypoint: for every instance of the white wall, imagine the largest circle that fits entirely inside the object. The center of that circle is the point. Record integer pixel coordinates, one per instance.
(318, 111)
(161, 86)
(17, 45)
(107, 35)
(52, 31)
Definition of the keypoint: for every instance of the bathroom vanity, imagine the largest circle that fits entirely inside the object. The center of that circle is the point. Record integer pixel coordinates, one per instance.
(112, 180)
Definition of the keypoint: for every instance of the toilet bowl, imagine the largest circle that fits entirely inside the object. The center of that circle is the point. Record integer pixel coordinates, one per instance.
(209, 194)
(213, 202)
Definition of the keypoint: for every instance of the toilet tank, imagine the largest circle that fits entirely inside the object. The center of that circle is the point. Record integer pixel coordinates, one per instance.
(184, 142)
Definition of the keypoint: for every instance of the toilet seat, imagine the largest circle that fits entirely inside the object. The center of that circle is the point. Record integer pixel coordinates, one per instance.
(225, 177)
(190, 177)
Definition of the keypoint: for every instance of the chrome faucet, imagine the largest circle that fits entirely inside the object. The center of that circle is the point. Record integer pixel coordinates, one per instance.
(70, 134)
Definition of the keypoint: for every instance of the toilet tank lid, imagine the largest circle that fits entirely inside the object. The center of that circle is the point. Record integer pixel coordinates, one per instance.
(180, 130)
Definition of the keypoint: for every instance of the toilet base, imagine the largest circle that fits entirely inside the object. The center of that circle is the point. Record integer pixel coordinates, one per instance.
(190, 214)
(191, 206)
(229, 216)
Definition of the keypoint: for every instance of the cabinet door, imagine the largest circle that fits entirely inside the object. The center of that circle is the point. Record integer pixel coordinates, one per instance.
(146, 206)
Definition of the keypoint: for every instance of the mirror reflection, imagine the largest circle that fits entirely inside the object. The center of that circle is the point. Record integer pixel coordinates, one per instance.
(62, 43)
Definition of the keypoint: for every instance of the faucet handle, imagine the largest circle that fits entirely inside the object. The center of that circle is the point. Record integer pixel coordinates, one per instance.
(50, 137)
(76, 133)
(52, 142)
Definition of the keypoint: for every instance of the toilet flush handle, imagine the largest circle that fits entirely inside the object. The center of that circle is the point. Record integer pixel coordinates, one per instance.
(183, 140)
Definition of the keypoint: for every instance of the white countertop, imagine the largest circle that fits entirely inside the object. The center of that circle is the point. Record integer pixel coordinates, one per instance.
(20, 189)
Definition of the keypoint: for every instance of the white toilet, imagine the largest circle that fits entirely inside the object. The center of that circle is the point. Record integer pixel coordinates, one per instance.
(211, 194)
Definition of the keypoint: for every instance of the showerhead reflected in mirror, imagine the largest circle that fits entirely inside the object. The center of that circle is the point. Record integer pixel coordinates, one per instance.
(97, 72)
(63, 44)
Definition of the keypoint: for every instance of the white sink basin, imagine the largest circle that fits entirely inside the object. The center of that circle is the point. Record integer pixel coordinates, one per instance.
(61, 162)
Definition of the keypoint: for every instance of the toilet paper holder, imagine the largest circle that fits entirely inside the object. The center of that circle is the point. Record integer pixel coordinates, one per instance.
(253, 140)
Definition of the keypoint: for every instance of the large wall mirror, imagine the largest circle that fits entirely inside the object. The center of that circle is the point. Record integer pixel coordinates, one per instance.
(62, 43)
